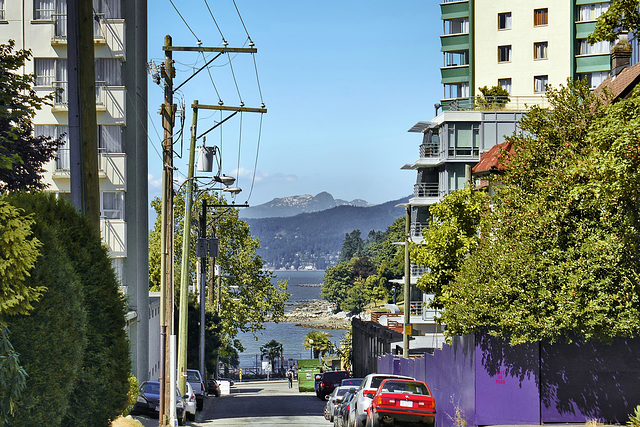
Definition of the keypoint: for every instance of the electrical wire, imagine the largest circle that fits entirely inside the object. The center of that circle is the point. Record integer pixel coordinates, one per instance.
(255, 66)
(211, 78)
(239, 149)
(214, 21)
(234, 80)
(255, 166)
(241, 20)
(183, 20)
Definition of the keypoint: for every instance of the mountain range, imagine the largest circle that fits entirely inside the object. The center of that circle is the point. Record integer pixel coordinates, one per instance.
(313, 240)
(294, 205)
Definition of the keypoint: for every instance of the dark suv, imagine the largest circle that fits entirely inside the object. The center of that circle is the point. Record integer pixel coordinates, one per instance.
(329, 381)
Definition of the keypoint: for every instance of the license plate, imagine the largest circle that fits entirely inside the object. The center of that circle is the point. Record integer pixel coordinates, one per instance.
(406, 403)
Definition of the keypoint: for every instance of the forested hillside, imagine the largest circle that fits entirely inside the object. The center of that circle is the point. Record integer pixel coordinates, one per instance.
(314, 240)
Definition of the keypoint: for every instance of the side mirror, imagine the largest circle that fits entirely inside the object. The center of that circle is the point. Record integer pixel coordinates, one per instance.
(327, 397)
(185, 397)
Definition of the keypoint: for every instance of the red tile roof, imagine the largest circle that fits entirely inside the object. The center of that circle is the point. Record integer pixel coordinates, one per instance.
(621, 85)
(489, 161)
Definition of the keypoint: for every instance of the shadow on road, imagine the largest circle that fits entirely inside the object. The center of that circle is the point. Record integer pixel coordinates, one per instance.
(246, 390)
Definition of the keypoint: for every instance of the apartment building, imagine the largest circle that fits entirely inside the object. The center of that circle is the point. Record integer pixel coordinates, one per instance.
(519, 45)
(120, 50)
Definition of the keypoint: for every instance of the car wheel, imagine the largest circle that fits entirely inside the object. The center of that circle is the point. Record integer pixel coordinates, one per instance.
(199, 404)
(191, 417)
(181, 420)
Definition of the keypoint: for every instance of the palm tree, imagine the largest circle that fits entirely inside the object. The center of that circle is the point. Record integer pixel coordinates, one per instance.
(272, 351)
(318, 342)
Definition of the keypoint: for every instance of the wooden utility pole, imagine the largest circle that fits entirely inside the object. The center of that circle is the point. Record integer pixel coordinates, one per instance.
(166, 242)
(85, 187)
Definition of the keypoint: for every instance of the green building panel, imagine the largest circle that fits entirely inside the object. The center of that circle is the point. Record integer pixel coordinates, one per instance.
(591, 63)
(452, 10)
(455, 42)
(455, 74)
(583, 29)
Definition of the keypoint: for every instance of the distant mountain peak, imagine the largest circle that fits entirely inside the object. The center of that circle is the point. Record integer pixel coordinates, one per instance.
(294, 205)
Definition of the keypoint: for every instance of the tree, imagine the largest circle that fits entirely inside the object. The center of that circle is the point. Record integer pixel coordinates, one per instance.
(272, 351)
(558, 255)
(105, 362)
(256, 299)
(451, 234)
(622, 15)
(22, 155)
(492, 97)
(318, 342)
(353, 245)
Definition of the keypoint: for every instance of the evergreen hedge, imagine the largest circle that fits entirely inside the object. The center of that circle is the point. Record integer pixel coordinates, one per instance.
(100, 389)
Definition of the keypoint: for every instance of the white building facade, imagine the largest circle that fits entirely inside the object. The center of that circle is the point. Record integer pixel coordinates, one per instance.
(120, 50)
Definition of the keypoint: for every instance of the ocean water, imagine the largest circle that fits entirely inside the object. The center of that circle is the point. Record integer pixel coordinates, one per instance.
(290, 335)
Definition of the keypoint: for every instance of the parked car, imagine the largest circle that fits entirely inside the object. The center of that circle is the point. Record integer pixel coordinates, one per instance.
(329, 381)
(227, 379)
(195, 379)
(354, 382)
(400, 400)
(362, 400)
(190, 405)
(334, 399)
(341, 413)
(213, 387)
(316, 381)
(148, 401)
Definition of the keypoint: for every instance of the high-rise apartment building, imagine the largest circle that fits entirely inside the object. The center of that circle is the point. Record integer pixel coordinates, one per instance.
(519, 45)
(120, 50)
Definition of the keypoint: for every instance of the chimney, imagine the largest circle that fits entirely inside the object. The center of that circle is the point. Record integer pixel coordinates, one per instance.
(621, 54)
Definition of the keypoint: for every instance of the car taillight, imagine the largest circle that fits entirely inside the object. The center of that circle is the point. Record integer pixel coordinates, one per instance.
(386, 401)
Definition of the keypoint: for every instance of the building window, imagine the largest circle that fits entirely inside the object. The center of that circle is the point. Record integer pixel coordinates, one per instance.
(540, 83)
(594, 79)
(63, 162)
(504, 21)
(108, 71)
(456, 90)
(505, 84)
(540, 17)
(540, 50)
(113, 204)
(464, 139)
(598, 48)
(456, 26)
(456, 58)
(591, 12)
(110, 139)
(2, 17)
(504, 53)
(52, 72)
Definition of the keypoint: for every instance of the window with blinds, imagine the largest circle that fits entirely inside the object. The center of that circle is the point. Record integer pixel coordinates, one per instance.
(540, 17)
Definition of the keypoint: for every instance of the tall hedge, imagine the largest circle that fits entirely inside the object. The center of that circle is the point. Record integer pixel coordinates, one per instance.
(52, 338)
(100, 391)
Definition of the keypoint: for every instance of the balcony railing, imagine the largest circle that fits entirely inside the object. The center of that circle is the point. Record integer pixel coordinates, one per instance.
(61, 95)
(496, 103)
(429, 150)
(417, 227)
(417, 270)
(63, 162)
(426, 190)
(60, 26)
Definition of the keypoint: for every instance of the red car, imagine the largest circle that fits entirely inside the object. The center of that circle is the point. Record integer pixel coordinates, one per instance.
(402, 400)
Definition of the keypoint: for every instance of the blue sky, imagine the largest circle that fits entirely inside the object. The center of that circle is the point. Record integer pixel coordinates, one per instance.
(342, 81)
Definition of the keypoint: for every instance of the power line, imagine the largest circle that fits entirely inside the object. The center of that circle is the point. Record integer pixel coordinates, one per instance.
(224, 42)
(184, 20)
(255, 166)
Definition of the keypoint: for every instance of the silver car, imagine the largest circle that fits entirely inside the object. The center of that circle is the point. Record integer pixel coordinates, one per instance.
(190, 405)
(333, 400)
(362, 399)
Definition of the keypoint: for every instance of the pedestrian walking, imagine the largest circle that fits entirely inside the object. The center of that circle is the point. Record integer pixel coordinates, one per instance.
(290, 377)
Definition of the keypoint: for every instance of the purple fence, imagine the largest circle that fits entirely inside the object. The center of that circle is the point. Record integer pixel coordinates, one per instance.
(490, 382)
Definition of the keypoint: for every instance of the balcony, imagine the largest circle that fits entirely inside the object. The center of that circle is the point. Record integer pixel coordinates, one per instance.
(495, 103)
(417, 227)
(110, 101)
(114, 236)
(426, 190)
(113, 167)
(107, 33)
(429, 150)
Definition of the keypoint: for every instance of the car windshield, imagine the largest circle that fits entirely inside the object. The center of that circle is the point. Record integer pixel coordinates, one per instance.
(193, 376)
(152, 388)
(408, 387)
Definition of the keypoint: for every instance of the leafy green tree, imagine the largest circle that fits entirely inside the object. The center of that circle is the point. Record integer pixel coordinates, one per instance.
(256, 298)
(22, 155)
(353, 245)
(492, 97)
(452, 233)
(558, 256)
(622, 15)
(336, 283)
(318, 342)
(105, 364)
(272, 351)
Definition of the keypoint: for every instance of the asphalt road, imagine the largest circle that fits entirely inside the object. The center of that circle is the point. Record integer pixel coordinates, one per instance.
(259, 403)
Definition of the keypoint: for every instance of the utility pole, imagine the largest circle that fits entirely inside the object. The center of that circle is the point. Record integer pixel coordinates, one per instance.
(184, 272)
(166, 238)
(85, 189)
(407, 285)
